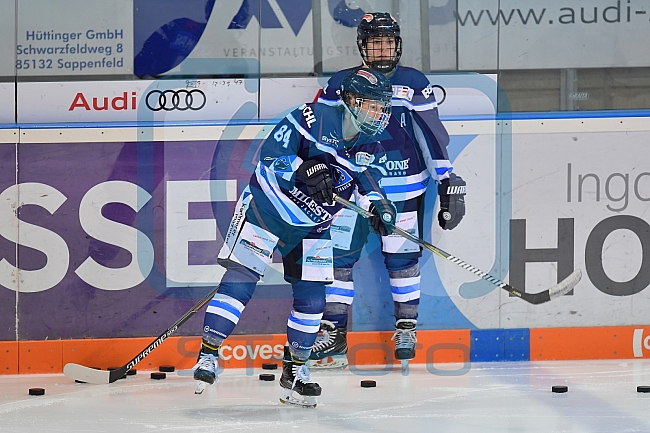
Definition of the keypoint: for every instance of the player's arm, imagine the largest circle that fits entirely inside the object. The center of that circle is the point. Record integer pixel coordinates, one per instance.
(329, 94)
(430, 134)
(371, 196)
(432, 139)
(280, 156)
(279, 153)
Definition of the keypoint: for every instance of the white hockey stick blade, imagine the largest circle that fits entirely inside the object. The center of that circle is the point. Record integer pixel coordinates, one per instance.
(86, 374)
(566, 285)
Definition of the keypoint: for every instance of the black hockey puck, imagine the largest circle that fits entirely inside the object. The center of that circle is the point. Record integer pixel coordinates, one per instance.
(132, 372)
(167, 368)
(368, 384)
(36, 391)
(158, 376)
(643, 388)
(560, 388)
(79, 381)
(269, 366)
(267, 377)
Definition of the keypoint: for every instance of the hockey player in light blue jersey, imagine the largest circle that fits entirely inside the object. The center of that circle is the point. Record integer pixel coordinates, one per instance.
(408, 168)
(315, 152)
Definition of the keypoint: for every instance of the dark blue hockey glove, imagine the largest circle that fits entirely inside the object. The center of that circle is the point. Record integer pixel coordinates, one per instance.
(316, 175)
(452, 201)
(383, 220)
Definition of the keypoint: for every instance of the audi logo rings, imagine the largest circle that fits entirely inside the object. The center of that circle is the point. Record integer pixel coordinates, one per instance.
(170, 100)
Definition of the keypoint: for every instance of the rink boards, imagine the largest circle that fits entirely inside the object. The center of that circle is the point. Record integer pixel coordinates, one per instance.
(369, 352)
(111, 233)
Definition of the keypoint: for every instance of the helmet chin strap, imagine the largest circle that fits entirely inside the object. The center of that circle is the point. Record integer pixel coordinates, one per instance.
(387, 74)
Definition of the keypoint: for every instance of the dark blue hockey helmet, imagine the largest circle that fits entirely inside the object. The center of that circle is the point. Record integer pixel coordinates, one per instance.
(367, 95)
(382, 54)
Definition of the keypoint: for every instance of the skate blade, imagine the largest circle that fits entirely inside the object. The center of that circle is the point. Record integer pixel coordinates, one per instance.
(405, 367)
(287, 397)
(331, 362)
(200, 387)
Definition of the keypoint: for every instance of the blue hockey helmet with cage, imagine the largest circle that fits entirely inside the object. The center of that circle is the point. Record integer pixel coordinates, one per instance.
(379, 24)
(367, 95)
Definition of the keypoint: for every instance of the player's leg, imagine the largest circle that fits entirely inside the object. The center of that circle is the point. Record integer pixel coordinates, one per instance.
(221, 317)
(404, 277)
(349, 233)
(331, 345)
(244, 265)
(302, 329)
(307, 267)
(401, 259)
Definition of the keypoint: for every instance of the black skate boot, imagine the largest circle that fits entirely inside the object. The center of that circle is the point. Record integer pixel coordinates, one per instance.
(405, 340)
(205, 370)
(296, 385)
(330, 348)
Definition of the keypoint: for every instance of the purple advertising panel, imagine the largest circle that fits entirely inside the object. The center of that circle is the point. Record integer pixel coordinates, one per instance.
(7, 248)
(101, 227)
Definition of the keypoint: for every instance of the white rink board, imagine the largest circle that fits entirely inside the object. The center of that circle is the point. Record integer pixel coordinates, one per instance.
(211, 100)
(456, 94)
(547, 168)
(130, 101)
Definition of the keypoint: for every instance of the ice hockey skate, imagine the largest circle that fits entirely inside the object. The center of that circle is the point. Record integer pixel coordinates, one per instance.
(205, 370)
(330, 348)
(405, 339)
(297, 387)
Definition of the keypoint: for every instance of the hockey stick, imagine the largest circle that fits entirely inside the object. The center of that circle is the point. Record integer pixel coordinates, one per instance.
(90, 375)
(561, 288)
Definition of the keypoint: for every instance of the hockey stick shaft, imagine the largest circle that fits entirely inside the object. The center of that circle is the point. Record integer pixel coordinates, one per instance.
(537, 298)
(86, 374)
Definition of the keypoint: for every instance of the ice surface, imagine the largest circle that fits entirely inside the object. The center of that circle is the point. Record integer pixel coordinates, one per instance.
(483, 397)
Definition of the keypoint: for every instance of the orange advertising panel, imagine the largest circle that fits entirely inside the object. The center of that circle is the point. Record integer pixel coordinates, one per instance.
(239, 351)
(8, 357)
(616, 342)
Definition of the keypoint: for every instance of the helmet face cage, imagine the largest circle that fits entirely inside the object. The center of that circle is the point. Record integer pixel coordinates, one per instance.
(367, 96)
(370, 116)
(383, 31)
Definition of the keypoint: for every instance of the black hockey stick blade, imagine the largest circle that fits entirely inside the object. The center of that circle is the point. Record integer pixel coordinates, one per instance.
(561, 288)
(90, 375)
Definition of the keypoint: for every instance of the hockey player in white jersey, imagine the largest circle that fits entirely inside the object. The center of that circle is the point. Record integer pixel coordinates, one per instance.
(313, 153)
(415, 109)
